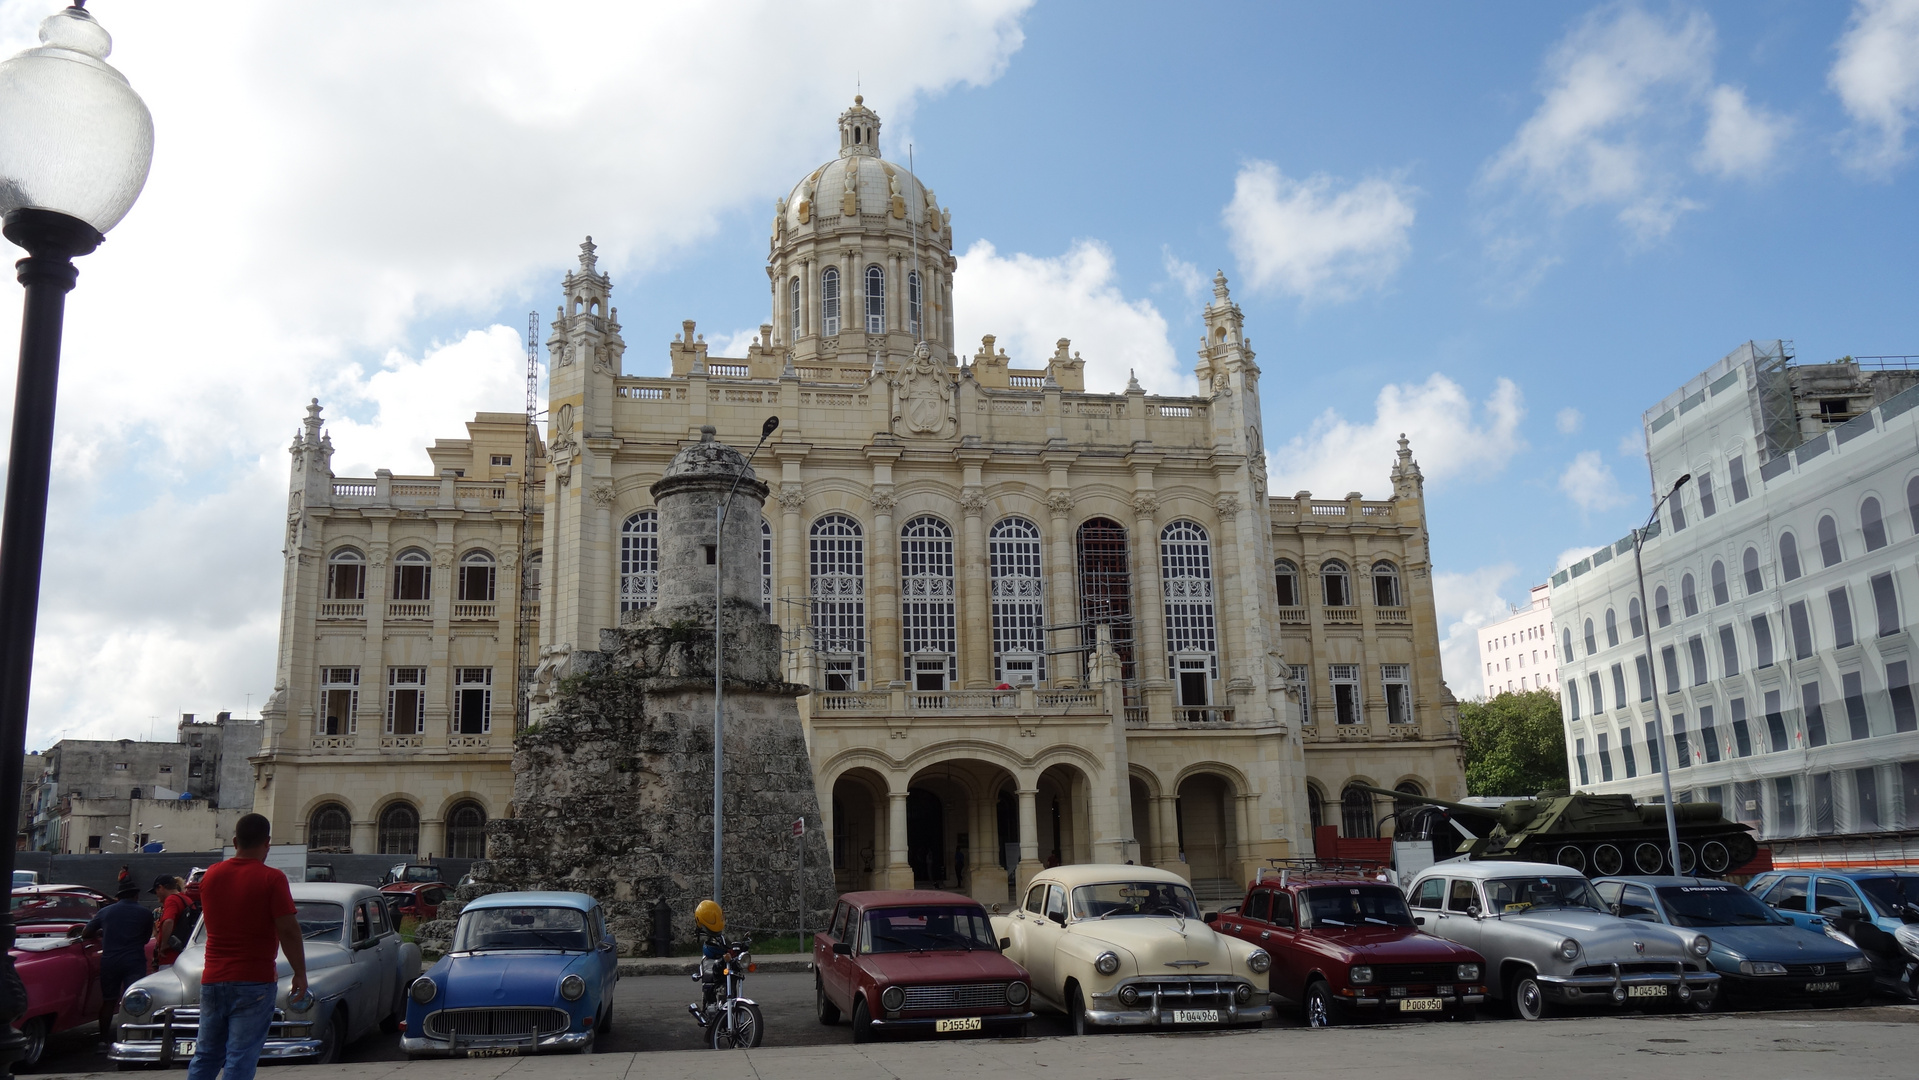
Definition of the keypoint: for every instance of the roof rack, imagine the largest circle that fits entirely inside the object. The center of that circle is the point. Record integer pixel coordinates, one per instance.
(1287, 869)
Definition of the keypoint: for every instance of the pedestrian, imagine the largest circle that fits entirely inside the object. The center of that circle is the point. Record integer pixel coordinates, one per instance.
(122, 928)
(126, 876)
(250, 916)
(170, 930)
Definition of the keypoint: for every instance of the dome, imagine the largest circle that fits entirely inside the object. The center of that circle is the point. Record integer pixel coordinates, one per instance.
(875, 182)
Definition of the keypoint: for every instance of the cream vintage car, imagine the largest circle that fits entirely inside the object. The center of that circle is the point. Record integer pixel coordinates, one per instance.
(1123, 946)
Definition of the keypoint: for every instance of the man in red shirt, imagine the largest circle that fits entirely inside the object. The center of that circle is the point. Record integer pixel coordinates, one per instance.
(250, 916)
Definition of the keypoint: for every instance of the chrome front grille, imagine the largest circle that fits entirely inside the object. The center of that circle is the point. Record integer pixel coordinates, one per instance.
(956, 996)
(1649, 967)
(496, 1023)
(1186, 993)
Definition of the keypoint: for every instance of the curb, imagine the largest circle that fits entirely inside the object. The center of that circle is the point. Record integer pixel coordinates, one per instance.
(687, 965)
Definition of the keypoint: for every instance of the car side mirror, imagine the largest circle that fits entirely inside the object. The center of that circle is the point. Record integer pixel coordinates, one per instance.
(1419, 920)
(1852, 913)
(1473, 910)
(842, 948)
(1057, 916)
(1211, 916)
(1005, 943)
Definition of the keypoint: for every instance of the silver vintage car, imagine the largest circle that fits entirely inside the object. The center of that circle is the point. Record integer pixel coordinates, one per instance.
(1550, 942)
(358, 970)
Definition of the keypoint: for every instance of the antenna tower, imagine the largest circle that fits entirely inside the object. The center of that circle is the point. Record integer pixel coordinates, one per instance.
(524, 632)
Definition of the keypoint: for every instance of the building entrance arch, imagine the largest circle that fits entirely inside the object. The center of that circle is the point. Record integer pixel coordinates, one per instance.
(1209, 835)
(859, 807)
(957, 833)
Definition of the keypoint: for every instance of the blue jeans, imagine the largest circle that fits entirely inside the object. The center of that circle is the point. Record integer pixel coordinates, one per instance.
(234, 1020)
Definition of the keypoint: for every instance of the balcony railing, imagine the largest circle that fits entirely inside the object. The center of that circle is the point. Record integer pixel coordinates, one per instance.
(1292, 614)
(1389, 615)
(1188, 716)
(1336, 616)
(963, 700)
(1136, 716)
(343, 609)
(474, 612)
(409, 609)
(856, 701)
(1070, 699)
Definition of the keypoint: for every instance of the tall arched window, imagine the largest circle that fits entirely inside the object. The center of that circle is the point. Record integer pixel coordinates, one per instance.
(1912, 502)
(1749, 564)
(913, 303)
(1315, 806)
(1720, 592)
(830, 301)
(766, 568)
(837, 558)
(640, 561)
(1013, 553)
(875, 300)
(1592, 643)
(1634, 620)
(346, 575)
(330, 829)
(1872, 524)
(1567, 645)
(466, 831)
(1106, 590)
(1286, 582)
(1336, 584)
(1356, 814)
(1662, 606)
(793, 310)
(1186, 585)
(412, 575)
(1612, 629)
(1386, 585)
(476, 577)
(530, 568)
(1828, 541)
(1688, 595)
(926, 602)
(399, 830)
(1788, 557)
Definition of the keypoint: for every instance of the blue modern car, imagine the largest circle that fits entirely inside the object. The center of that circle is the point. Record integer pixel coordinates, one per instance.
(1761, 956)
(1878, 909)
(528, 971)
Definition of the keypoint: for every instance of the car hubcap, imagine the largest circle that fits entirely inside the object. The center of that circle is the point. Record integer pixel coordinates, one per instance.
(1529, 998)
(1316, 1013)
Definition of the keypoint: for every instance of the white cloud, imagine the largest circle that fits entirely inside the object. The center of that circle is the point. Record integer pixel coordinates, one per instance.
(1306, 239)
(1449, 435)
(1741, 138)
(1588, 481)
(1567, 420)
(1877, 79)
(1632, 444)
(1572, 555)
(1183, 274)
(1465, 602)
(1029, 302)
(301, 233)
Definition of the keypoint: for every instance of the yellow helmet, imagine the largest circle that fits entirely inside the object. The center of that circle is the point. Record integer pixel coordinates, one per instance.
(710, 917)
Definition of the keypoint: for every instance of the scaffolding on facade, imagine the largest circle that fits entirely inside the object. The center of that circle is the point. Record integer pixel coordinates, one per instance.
(525, 632)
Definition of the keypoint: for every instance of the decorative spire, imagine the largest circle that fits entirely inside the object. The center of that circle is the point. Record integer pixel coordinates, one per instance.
(1132, 383)
(312, 423)
(859, 130)
(588, 261)
(1219, 287)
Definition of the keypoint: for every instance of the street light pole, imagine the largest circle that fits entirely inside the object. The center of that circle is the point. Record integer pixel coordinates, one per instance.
(719, 604)
(1652, 673)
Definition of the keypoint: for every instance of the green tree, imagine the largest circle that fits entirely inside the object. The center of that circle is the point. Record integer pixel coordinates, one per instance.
(1515, 744)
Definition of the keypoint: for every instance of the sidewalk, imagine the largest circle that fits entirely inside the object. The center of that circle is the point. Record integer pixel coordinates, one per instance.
(685, 965)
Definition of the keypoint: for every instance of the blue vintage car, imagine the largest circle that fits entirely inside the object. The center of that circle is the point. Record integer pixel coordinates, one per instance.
(1877, 909)
(1761, 957)
(528, 971)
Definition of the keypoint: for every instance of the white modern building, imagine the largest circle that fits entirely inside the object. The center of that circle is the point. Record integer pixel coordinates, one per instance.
(1518, 653)
(1782, 588)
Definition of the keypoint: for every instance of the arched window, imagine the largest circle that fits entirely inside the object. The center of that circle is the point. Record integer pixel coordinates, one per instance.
(926, 602)
(1186, 586)
(793, 310)
(1336, 584)
(1688, 595)
(1106, 590)
(640, 561)
(913, 303)
(1720, 593)
(1592, 643)
(530, 568)
(399, 830)
(1662, 606)
(1872, 524)
(1568, 646)
(1013, 552)
(1386, 585)
(1788, 557)
(1286, 581)
(346, 575)
(875, 300)
(330, 829)
(766, 568)
(1572, 699)
(830, 301)
(1612, 629)
(1315, 806)
(1828, 541)
(1749, 563)
(836, 552)
(1356, 814)
(476, 577)
(1634, 620)
(466, 831)
(1912, 502)
(412, 576)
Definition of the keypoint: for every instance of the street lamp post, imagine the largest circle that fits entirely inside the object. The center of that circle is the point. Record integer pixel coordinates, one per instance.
(75, 146)
(1652, 672)
(719, 604)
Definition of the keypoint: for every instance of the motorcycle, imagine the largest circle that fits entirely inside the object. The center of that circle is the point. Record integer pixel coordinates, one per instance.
(732, 1022)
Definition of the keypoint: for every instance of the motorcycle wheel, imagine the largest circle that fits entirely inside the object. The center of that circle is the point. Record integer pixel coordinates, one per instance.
(737, 1027)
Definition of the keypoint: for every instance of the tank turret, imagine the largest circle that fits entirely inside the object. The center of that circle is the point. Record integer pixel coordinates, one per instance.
(1597, 834)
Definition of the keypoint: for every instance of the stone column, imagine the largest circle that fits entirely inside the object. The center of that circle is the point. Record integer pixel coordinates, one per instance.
(1229, 600)
(883, 640)
(1247, 847)
(1029, 864)
(1167, 810)
(370, 717)
(1062, 597)
(436, 717)
(806, 297)
(976, 607)
(790, 589)
(365, 840)
(432, 836)
(899, 873)
(985, 881)
(1149, 616)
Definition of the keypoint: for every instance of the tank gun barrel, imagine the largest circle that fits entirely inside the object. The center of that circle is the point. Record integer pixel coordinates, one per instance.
(1462, 808)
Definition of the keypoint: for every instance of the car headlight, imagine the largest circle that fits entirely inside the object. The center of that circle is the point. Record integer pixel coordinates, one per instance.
(1017, 993)
(1840, 937)
(892, 998)
(1467, 973)
(1701, 945)
(136, 1003)
(1360, 974)
(424, 990)
(572, 988)
(1106, 963)
(1259, 962)
(1859, 963)
(1761, 967)
(1569, 949)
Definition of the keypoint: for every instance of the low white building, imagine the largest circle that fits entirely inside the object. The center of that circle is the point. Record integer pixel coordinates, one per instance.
(1518, 653)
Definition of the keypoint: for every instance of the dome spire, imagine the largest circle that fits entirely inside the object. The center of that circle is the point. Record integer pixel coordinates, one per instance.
(859, 130)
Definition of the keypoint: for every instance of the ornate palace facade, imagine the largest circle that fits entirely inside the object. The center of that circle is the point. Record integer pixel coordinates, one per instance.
(1040, 623)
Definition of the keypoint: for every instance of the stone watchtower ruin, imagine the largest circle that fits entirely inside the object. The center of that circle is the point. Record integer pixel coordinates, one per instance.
(612, 786)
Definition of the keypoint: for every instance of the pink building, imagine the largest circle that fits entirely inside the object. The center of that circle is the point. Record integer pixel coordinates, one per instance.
(1517, 653)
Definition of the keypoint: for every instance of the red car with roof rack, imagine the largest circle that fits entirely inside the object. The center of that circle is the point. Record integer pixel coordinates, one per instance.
(1345, 947)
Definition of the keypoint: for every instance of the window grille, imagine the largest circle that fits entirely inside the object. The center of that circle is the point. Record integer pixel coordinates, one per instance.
(339, 700)
(330, 828)
(1345, 682)
(1356, 814)
(1397, 679)
(875, 300)
(1186, 583)
(830, 301)
(913, 303)
(926, 591)
(1302, 679)
(399, 830)
(466, 831)
(1013, 553)
(405, 700)
(640, 561)
(472, 700)
(766, 568)
(837, 554)
(1106, 592)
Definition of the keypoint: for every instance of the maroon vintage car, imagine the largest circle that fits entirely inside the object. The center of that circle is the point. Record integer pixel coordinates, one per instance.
(917, 961)
(61, 971)
(1345, 947)
(417, 900)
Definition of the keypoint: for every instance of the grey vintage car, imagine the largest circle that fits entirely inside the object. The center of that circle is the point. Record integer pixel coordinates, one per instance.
(1549, 941)
(357, 968)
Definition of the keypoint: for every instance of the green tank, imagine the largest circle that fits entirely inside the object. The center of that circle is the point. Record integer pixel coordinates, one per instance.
(1597, 834)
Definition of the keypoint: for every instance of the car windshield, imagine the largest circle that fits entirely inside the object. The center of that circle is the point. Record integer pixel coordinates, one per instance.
(928, 929)
(505, 929)
(1890, 894)
(1356, 905)
(54, 907)
(421, 873)
(1511, 895)
(319, 920)
(1116, 898)
(1716, 905)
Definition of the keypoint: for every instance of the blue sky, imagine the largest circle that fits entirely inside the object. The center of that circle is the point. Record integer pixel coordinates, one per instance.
(1505, 228)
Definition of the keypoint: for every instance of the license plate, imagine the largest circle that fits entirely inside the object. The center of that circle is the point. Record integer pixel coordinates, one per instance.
(1646, 991)
(494, 1051)
(1419, 1005)
(1821, 987)
(184, 1047)
(1195, 1016)
(958, 1023)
